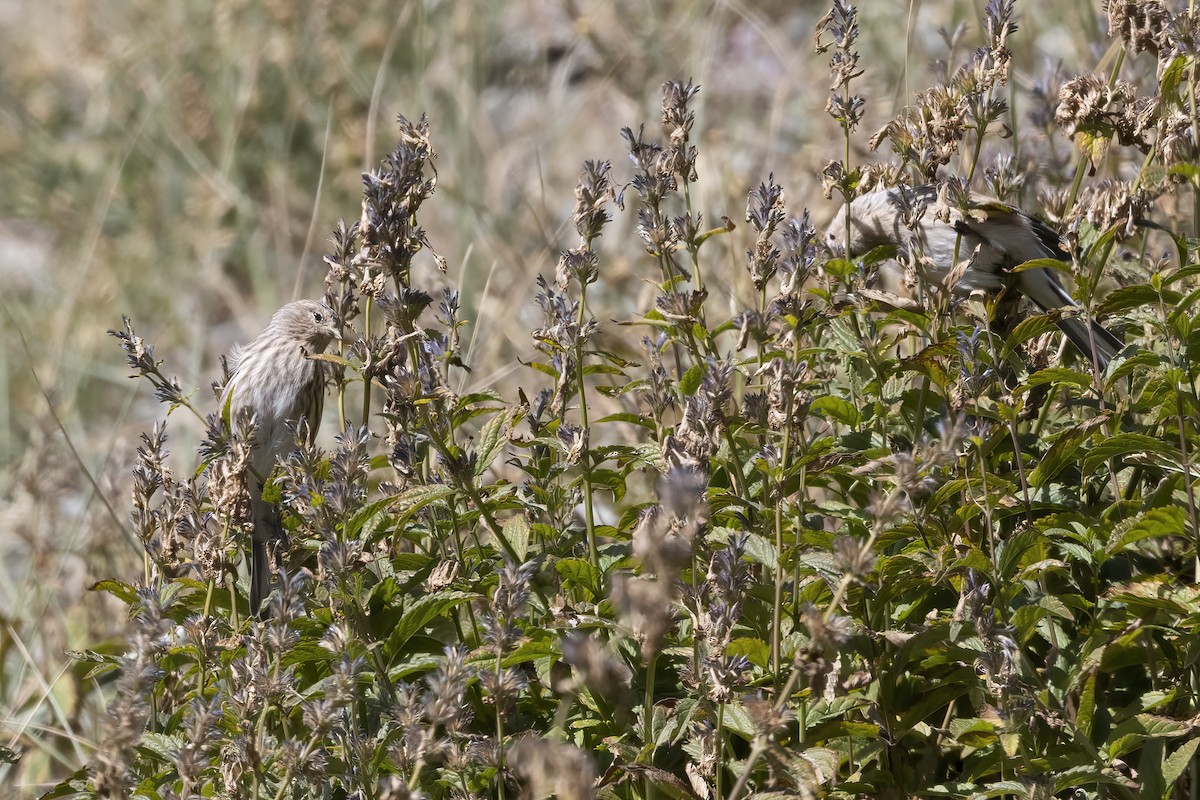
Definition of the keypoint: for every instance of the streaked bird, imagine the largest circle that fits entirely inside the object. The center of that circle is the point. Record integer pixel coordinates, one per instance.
(275, 378)
(995, 237)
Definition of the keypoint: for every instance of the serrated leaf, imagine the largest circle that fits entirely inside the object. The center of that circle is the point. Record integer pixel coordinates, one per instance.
(423, 611)
(974, 732)
(578, 572)
(1056, 376)
(1125, 444)
(738, 721)
(1153, 524)
(691, 380)
(1173, 76)
(837, 409)
(160, 744)
(759, 549)
(1130, 297)
(824, 760)
(516, 533)
(1175, 764)
(353, 528)
(1027, 329)
(756, 651)
(1132, 732)
(493, 436)
(1064, 451)
(417, 497)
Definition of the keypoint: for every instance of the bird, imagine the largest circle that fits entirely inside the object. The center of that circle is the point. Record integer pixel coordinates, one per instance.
(275, 378)
(995, 236)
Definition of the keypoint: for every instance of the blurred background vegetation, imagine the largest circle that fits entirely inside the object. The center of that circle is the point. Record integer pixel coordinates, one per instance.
(183, 163)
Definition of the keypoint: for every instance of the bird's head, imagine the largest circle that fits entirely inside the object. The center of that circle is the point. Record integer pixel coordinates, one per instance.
(311, 323)
(874, 221)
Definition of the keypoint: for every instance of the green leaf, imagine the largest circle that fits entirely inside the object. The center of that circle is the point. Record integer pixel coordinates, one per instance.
(545, 369)
(824, 762)
(74, 784)
(974, 732)
(358, 521)
(738, 721)
(1130, 297)
(1172, 77)
(1064, 451)
(122, 591)
(1153, 524)
(1181, 274)
(837, 409)
(1175, 764)
(839, 267)
(841, 729)
(976, 791)
(1026, 330)
(1087, 705)
(691, 380)
(1056, 264)
(1056, 376)
(1126, 737)
(423, 611)
(756, 651)
(492, 438)
(579, 573)
(1125, 444)
(609, 479)
(161, 745)
(516, 533)
(415, 498)
(633, 419)
(603, 369)
(759, 549)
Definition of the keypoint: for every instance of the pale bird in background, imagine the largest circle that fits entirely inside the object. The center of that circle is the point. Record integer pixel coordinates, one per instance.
(275, 378)
(994, 237)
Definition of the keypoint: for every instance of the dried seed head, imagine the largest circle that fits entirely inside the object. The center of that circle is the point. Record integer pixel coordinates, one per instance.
(553, 768)
(852, 557)
(1088, 105)
(828, 632)
(1113, 203)
(592, 194)
(1141, 24)
(595, 668)
(765, 212)
(645, 607)
(768, 720)
(677, 120)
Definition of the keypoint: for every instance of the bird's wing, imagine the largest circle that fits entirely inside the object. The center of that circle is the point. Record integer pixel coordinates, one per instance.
(235, 355)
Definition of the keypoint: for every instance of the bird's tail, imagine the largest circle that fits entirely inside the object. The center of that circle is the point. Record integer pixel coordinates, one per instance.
(260, 575)
(267, 538)
(1093, 339)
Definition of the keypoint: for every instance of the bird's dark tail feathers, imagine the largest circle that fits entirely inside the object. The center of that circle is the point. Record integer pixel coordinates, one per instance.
(1096, 338)
(266, 542)
(260, 575)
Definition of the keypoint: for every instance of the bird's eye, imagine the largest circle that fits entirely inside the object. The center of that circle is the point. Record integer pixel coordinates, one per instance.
(318, 316)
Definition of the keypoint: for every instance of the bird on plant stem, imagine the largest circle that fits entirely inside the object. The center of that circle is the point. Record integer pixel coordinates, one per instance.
(276, 379)
(992, 236)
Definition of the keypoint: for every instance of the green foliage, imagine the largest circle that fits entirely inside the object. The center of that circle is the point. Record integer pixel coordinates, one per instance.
(833, 544)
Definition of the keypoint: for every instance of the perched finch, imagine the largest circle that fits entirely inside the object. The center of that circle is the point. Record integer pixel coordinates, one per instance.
(993, 236)
(274, 378)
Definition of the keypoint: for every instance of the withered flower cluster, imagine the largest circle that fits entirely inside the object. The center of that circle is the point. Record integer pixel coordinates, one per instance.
(929, 133)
